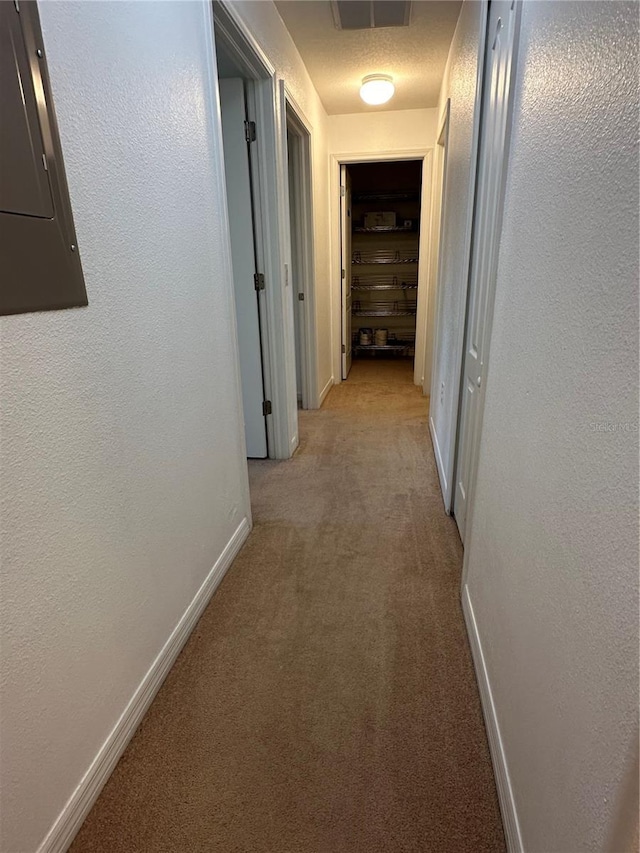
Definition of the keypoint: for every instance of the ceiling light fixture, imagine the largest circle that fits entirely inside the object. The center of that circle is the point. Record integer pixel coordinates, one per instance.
(377, 89)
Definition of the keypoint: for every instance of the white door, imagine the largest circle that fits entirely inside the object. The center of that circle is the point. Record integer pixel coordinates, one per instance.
(297, 283)
(240, 205)
(487, 222)
(345, 226)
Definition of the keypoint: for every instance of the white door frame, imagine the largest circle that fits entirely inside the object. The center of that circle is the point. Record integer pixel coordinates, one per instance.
(437, 295)
(495, 235)
(446, 475)
(269, 179)
(483, 260)
(337, 160)
(297, 123)
(346, 273)
(437, 214)
(239, 206)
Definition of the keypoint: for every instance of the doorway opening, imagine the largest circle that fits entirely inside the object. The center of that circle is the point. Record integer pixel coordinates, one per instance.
(234, 86)
(381, 206)
(254, 147)
(246, 281)
(301, 274)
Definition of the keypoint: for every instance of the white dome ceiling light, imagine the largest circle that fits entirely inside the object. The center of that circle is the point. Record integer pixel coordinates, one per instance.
(377, 89)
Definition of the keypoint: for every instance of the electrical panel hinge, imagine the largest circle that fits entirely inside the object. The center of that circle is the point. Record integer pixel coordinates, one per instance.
(266, 408)
(250, 131)
(301, 297)
(258, 280)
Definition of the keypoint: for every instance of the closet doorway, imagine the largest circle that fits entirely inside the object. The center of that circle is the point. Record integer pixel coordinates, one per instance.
(301, 273)
(254, 143)
(383, 262)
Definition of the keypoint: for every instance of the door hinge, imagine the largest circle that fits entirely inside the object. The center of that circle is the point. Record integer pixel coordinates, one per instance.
(343, 192)
(301, 297)
(344, 273)
(258, 281)
(250, 131)
(344, 349)
(266, 407)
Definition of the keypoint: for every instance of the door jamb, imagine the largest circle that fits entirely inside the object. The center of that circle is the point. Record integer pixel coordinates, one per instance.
(346, 275)
(437, 215)
(443, 133)
(337, 160)
(296, 121)
(271, 229)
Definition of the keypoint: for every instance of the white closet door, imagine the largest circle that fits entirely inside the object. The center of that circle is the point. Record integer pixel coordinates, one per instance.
(238, 181)
(345, 223)
(487, 221)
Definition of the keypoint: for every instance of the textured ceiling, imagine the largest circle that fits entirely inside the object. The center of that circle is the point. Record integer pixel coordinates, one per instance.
(337, 60)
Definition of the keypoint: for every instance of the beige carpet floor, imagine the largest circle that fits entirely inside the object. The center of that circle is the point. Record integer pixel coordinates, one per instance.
(326, 701)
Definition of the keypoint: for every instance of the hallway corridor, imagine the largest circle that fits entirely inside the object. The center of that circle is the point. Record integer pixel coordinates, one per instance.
(326, 701)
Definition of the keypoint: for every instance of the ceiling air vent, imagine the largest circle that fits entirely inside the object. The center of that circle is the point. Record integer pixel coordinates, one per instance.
(370, 14)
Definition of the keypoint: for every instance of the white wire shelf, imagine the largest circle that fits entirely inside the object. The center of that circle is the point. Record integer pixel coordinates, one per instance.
(385, 229)
(383, 347)
(388, 195)
(382, 282)
(383, 309)
(384, 256)
(397, 336)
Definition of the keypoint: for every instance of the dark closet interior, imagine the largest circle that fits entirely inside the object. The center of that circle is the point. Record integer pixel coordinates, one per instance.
(385, 217)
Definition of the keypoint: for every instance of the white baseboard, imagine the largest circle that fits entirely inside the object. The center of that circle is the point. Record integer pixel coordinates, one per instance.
(325, 391)
(439, 463)
(498, 757)
(79, 804)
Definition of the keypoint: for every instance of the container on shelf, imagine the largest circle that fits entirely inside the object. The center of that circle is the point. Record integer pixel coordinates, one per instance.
(365, 337)
(380, 337)
(386, 218)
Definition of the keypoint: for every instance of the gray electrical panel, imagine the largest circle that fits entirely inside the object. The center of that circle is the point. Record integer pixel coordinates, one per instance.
(40, 266)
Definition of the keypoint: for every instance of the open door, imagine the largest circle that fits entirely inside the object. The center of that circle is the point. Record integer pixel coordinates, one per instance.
(296, 282)
(484, 251)
(243, 257)
(345, 230)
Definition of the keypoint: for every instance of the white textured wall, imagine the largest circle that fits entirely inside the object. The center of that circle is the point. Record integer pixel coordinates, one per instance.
(269, 31)
(382, 131)
(368, 135)
(553, 547)
(460, 86)
(123, 475)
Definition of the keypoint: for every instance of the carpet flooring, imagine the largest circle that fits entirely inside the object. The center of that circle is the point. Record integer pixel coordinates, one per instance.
(326, 701)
